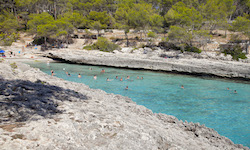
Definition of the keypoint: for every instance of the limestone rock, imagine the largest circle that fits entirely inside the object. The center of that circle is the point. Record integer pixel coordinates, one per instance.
(168, 61)
(44, 112)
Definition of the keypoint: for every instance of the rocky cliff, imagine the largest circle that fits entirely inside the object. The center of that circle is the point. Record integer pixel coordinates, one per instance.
(39, 111)
(178, 63)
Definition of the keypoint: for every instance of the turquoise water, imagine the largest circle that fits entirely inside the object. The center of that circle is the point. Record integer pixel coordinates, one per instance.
(206, 101)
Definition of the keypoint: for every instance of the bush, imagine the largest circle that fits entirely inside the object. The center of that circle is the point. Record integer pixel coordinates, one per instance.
(103, 44)
(192, 49)
(7, 40)
(234, 50)
(151, 34)
(88, 47)
(168, 46)
(13, 65)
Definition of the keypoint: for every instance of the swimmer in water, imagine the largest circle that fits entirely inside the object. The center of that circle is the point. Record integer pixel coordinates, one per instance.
(95, 77)
(69, 74)
(137, 77)
(141, 78)
(52, 73)
(121, 79)
(228, 88)
(108, 79)
(126, 88)
(90, 68)
(182, 86)
(102, 71)
(127, 77)
(79, 75)
(235, 92)
(116, 77)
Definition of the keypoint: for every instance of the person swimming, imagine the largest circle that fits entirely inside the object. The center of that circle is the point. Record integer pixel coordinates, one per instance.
(79, 75)
(137, 77)
(95, 77)
(182, 86)
(108, 79)
(235, 92)
(102, 71)
(121, 79)
(126, 88)
(141, 78)
(116, 77)
(52, 73)
(128, 77)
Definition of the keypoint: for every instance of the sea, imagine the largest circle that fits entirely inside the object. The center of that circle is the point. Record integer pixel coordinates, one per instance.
(221, 104)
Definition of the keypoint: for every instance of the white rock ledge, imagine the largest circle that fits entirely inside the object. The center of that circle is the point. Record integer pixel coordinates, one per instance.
(220, 68)
(41, 112)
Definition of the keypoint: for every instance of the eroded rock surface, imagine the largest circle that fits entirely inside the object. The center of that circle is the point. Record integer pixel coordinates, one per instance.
(171, 61)
(39, 111)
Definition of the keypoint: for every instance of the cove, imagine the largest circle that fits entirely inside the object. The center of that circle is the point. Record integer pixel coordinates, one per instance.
(206, 101)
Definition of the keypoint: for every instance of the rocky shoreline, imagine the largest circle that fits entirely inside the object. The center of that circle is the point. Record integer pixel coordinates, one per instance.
(158, 60)
(43, 112)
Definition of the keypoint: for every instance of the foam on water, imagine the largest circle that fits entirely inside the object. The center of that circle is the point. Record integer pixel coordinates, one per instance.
(206, 101)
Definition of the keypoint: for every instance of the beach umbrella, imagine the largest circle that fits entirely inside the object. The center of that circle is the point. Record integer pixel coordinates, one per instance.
(2, 51)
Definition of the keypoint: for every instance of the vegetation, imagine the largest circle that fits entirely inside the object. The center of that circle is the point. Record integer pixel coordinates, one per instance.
(103, 44)
(188, 22)
(13, 65)
(192, 49)
(234, 50)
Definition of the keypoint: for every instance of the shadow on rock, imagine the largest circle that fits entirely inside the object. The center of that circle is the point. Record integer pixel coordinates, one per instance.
(24, 100)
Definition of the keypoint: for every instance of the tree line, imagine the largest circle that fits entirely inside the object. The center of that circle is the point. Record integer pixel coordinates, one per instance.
(186, 21)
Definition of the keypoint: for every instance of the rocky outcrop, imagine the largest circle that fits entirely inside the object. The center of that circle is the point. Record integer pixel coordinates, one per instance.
(39, 111)
(176, 63)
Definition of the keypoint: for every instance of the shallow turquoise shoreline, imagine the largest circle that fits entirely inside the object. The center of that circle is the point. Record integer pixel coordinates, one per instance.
(214, 95)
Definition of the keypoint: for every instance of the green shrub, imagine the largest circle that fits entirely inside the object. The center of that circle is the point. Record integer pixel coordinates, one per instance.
(168, 46)
(234, 50)
(104, 44)
(13, 65)
(88, 47)
(7, 40)
(151, 34)
(192, 49)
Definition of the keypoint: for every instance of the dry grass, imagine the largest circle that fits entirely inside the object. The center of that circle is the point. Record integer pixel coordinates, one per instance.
(11, 127)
